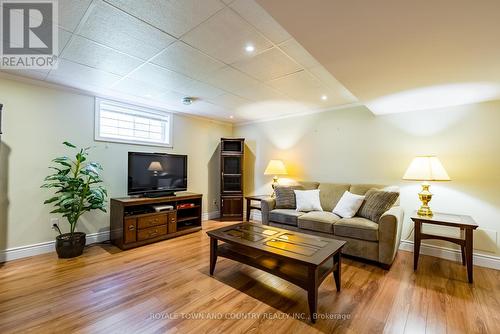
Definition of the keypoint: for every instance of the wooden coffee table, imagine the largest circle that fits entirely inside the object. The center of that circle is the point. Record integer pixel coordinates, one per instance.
(302, 259)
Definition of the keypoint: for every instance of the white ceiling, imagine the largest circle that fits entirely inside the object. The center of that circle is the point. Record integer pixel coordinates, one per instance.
(156, 52)
(397, 56)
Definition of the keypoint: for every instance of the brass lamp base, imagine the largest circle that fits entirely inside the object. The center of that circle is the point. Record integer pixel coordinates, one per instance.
(425, 197)
(275, 184)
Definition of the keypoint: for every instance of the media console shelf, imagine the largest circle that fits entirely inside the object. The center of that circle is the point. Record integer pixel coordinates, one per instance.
(134, 222)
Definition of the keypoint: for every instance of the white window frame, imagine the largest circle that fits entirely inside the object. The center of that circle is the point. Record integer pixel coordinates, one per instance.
(143, 111)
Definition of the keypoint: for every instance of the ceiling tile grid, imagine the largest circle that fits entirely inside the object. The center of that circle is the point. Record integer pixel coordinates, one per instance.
(165, 50)
(114, 28)
(224, 37)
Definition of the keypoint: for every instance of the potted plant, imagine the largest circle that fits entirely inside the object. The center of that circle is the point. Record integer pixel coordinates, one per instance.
(77, 190)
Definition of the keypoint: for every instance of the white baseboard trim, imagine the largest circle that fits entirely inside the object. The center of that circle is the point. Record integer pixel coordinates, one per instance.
(481, 260)
(49, 246)
(210, 215)
(45, 247)
(256, 215)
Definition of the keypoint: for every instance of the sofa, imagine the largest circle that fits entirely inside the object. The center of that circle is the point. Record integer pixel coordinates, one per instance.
(372, 240)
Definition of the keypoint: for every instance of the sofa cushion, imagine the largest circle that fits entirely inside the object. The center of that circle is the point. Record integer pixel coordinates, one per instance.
(319, 221)
(362, 189)
(376, 203)
(308, 185)
(285, 216)
(330, 194)
(307, 200)
(357, 228)
(348, 205)
(285, 196)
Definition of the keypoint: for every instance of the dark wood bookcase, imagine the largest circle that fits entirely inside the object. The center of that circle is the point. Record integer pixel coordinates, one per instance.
(231, 162)
(134, 222)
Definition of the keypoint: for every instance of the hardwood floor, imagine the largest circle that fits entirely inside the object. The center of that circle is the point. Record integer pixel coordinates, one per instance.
(161, 287)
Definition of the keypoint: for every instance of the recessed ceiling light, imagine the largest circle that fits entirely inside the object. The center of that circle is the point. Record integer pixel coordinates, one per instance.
(249, 48)
(324, 97)
(149, 95)
(231, 117)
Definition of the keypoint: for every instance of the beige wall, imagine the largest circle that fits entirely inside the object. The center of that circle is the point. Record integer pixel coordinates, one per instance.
(37, 119)
(352, 145)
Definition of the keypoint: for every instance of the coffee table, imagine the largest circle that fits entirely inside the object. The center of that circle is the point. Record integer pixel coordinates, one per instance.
(302, 259)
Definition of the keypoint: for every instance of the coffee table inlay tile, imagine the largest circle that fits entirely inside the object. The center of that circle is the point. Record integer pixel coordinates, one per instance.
(301, 259)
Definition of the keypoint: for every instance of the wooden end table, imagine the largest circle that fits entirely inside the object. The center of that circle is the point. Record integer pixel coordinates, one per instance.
(302, 259)
(465, 223)
(249, 199)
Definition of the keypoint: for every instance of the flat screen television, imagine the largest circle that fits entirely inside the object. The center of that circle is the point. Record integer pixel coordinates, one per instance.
(156, 174)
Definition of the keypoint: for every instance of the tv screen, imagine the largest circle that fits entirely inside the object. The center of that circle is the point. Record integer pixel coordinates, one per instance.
(156, 173)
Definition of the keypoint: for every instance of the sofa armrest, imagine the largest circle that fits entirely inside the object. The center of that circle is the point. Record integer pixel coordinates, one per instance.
(389, 234)
(266, 205)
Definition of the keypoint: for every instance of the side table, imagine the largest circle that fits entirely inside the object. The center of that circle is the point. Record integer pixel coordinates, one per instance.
(465, 223)
(249, 199)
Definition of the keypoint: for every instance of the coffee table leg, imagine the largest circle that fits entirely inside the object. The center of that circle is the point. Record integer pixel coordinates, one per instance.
(213, 254)
(337, 265)
(312, 293)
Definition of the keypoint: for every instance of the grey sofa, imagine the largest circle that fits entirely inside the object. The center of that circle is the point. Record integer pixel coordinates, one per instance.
(376, 241)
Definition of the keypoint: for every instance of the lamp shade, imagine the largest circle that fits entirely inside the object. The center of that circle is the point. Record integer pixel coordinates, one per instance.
(426, 168)
(155, 166)
(275, 167)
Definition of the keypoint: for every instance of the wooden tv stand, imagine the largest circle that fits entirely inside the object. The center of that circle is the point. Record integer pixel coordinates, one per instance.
(135, 223)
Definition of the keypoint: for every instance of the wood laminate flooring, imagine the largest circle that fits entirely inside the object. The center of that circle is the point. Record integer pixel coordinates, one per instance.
(165, 287)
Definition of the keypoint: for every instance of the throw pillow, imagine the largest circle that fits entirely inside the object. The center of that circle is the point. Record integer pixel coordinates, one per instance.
(376, 203)
(348, 205)
(285, 196)
(308, 200)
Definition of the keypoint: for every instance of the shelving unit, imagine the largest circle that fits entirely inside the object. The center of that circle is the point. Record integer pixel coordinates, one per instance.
(231, 160)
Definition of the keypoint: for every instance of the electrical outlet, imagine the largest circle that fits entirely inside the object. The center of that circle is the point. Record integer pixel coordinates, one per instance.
(54, 221)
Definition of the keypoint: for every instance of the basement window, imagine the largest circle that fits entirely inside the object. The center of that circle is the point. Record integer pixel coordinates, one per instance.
(126, 123)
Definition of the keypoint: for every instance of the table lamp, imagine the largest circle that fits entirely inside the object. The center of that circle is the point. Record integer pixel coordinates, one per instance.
(275, 168)
(426, 168)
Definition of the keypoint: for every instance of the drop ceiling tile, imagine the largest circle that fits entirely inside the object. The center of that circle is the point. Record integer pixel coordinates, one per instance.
(185, 59)
(172, 97)
(173, 17)
(138, 88)
(160, 77)
(86, 52)
(305, 88)
(230, 80)
(200, 90)
(333, 85)
(67, 71)
(224, 37)
(205, 108)
(70, 12)
(230, 101)
(296, 84)
(297, 52)
(268, 65)
(261, 92)
(114, 28)
(261, 20)
(63, 38)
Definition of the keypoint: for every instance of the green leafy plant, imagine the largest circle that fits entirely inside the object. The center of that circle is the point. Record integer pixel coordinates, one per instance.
(77, 186)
